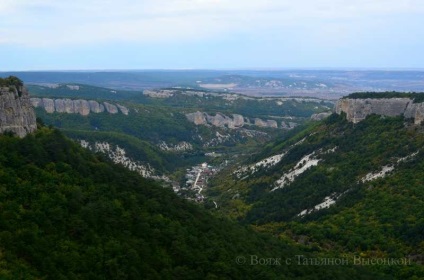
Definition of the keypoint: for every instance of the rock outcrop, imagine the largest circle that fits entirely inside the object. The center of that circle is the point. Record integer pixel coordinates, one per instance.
(80, 106)
(96, 107)
(320, 116)
(48, 105)
(238, 120)
(159, 93)
(180, 147)
(198, 118)
(358, 109)
(124, 110)
(221, 120)
(110, 108)
(16, 112)
(288, 125)
(268, 123)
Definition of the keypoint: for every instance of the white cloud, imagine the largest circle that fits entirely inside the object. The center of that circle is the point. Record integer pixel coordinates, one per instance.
(55, 23)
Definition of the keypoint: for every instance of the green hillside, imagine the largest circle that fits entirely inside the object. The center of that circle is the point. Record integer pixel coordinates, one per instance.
(370, 215)
(69, 214)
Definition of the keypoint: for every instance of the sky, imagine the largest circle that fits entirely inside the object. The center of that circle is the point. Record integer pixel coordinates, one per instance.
(210, 34)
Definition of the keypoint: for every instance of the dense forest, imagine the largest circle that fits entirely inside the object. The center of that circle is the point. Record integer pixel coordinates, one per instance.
(66, 213)
(416, 96)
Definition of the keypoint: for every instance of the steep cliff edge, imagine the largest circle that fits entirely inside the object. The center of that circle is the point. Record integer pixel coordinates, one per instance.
(80, 106)
(358, 109)
(16, 112)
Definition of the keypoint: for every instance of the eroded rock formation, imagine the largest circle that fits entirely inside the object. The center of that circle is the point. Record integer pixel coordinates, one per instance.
(80, 106)
(221, 120)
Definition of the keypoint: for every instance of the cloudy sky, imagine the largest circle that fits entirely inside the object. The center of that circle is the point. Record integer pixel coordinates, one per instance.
(219, 34)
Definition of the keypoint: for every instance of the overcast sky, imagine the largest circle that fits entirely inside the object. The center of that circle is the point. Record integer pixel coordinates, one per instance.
(219, 34)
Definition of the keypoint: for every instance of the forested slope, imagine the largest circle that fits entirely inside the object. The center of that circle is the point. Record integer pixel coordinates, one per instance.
(351, 188)
(66, 213)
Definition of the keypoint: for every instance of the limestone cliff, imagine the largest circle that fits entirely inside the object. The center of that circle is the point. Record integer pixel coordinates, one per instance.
(16, 112)
(268, 123)
(80, 106)
(358, 109)
(110, 108)
(221, 120)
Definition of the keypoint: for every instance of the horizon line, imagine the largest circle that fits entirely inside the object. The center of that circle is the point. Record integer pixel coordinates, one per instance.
(226, 69)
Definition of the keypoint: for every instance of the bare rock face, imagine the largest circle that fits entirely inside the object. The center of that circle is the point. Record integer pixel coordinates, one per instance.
(69, 106)
(218, 120)
(358, 109)
(272, 123)
(292, 125)
(259, 122)
(158, 93)
(60, 105)
(123, 109)
(267, 123)
(80, 106)
(36, 102)
(16, 112)
(198, 118)
(419, 113)
(288, 125)
(320, 116)
(48, 105)
(221, 120)
(415, 111)
(110, 108)
(238, 120)
(95, 107)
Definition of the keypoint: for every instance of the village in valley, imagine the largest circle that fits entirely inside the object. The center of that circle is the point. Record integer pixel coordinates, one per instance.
(196, 180)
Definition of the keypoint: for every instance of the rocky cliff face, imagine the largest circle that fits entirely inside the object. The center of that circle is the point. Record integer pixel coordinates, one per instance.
(80, 106)
(268, 123)
(16, 112)
(235, 121)
(358, 109)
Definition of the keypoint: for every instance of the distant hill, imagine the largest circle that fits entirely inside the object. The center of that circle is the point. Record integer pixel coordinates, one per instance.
(290, 82)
